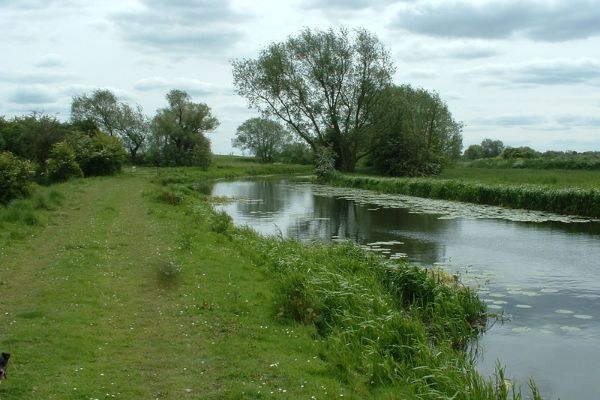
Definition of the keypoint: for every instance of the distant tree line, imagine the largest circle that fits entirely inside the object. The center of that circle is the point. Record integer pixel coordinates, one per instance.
(100, 136)
(493, 154)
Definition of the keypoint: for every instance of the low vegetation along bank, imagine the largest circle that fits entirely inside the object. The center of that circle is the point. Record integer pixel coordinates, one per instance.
(561, 200)
(134, 287)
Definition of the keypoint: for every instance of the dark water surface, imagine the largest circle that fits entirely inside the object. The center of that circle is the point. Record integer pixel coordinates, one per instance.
(544, 275)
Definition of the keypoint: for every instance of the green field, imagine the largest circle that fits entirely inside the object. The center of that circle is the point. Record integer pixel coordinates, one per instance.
(573, 192)
(555, 178)
(132, 287)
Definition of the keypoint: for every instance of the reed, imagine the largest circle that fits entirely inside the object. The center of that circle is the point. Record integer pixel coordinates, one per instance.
(567, 200)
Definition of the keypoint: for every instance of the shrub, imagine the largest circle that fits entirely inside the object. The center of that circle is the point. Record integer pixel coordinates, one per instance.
(15, 177)
(98, 154)
(324, 162)
(61, 165)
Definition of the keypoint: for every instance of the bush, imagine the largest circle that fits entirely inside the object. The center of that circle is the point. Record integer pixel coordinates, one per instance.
(98, 154)
(61, 165)
(15, 177)
(324, 162)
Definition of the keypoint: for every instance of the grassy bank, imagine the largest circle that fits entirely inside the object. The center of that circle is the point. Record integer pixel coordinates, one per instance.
(511, 188)
(133, 287)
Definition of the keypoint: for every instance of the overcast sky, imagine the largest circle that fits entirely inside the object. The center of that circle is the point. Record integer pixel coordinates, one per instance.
(526, 72)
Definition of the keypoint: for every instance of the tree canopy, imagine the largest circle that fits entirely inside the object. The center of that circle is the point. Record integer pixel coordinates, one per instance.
(323, 84)
(102, 111)
(179, 130)
(415, 133)
(262, 137)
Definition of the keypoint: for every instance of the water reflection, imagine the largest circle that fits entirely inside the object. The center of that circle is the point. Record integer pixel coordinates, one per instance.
(545, 276)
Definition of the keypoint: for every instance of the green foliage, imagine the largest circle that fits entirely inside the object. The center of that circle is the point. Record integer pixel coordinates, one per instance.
(15, 177)
(324, 162)
(296, 153)
(179, 132)
(101, 109)
(380, 325)
(473, 152)
(567, 200)
(323, 84)
(487, 149)
(99, 154)
(564, 160)
(525, 152)
(103, 112)
(415, 133)
(262, 137)
(32, 136)
(62, 164)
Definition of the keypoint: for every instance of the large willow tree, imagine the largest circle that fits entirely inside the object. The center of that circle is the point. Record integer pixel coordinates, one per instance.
(415, 133)
(323, 84)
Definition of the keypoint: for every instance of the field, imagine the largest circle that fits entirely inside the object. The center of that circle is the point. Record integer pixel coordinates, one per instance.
(555, 178)
(133, 287)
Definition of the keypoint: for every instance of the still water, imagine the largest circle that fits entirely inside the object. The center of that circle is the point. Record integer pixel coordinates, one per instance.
(541, 271)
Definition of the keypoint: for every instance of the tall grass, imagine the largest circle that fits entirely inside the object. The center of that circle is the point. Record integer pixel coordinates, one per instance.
(567, 200)
(383, 327)
(20, 216)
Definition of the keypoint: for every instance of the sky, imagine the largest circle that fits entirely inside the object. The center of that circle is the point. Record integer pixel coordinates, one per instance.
(526, 72)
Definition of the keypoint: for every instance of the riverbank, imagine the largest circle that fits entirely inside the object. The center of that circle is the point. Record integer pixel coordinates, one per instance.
(134, 287)
(545, 191)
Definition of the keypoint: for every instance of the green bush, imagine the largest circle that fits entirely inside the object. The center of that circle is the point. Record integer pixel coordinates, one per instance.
(98, 154)
(62, 165)
(15, 177)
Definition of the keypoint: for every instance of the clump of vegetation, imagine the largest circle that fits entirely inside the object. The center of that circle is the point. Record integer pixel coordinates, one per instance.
(381, 326)
(168, 271)
(62, 164)
(15, 177)
(568, 200)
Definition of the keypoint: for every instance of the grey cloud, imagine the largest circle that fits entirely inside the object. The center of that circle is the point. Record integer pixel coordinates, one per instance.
(346, 5)
(34, 94)
(511, 120)
(543, 21)
(31, 78)
(193, 87)
(181, 26)
(578, 121)
(460, 50)
(539, 72)
(50, 61)
(28, 5)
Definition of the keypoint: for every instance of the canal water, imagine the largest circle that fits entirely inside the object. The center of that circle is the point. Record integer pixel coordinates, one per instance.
(540, 271)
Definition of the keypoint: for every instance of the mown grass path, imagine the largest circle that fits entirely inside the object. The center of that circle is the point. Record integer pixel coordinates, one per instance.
(124, 297)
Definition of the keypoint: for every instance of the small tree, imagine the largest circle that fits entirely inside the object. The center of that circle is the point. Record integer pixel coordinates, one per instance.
(101, 108)
(261, 137)
(134, 128)
(62, 164)
(473, 152)
(179, 131)
(491, 148)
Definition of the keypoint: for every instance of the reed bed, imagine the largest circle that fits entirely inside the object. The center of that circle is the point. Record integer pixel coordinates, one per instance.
(567, 200)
